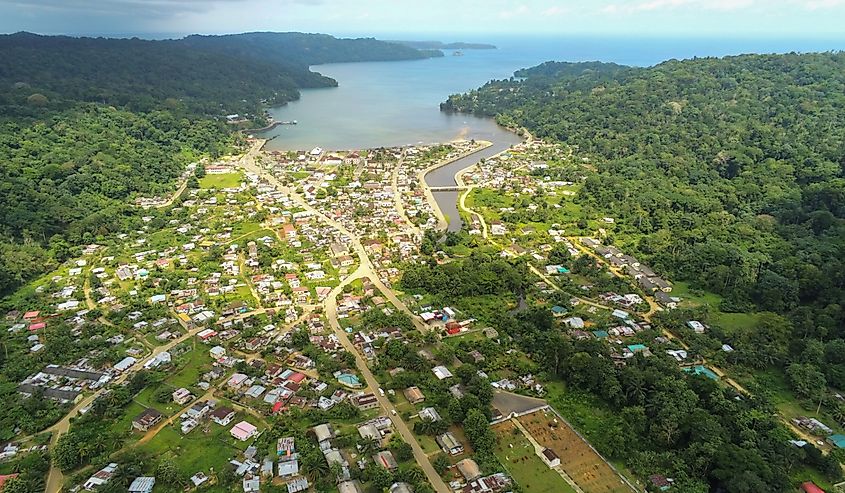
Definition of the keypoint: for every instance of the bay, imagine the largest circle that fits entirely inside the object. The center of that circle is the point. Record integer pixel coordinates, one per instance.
(385, 104)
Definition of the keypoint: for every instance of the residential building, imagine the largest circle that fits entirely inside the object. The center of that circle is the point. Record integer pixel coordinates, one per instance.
(223, 415)
(414, 395)
(243, 431)
(147, 419)
(142, 484)
(449, 444)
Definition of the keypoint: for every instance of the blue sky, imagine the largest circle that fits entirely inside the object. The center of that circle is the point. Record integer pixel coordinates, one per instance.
(467, 19)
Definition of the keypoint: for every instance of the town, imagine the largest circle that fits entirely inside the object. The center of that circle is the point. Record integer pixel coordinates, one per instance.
(270, 329)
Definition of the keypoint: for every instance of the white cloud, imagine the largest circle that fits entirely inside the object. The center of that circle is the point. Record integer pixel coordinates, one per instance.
(821, 4)
(676, 5)
(517, 12)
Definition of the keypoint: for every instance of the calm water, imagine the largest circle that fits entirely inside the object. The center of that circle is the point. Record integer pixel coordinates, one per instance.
(397, 103)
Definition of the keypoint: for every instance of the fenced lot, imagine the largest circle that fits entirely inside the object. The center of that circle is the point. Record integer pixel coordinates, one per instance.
(517, 454)
(577, 458)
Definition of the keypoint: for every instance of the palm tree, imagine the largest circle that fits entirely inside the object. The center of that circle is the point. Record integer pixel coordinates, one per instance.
(316, 467)
(368, 445)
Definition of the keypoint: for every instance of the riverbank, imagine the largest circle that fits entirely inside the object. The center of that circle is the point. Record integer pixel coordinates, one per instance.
(445, 203)
(442, 222)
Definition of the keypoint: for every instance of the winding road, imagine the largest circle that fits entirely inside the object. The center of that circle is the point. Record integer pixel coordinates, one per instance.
(365, 269)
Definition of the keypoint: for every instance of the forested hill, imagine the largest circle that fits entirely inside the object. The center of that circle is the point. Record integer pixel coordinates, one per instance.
(88, 124)
(726, 172)
(306, 49)
(208, 75)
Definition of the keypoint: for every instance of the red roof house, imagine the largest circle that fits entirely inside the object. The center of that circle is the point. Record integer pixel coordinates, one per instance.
(810, 487)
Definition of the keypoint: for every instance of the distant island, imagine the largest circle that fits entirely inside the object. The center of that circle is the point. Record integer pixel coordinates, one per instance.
(439, 45)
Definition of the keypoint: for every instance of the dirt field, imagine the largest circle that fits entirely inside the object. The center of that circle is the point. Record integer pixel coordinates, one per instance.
(579, 461)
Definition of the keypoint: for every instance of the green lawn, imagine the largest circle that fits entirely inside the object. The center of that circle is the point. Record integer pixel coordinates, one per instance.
(731, 322)
(516, 453)
(196, 451)
(700, 298)
(228, 180)
(190, 368)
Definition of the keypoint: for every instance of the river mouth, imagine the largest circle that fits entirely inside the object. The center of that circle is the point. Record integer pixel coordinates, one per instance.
(397, 104)
(444, 176)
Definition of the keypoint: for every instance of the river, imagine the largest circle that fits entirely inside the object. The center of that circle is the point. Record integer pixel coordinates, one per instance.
(385, 104)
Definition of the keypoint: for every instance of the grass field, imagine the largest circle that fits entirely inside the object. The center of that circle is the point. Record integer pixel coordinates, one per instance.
(517, 454)
(191, 367)
(731, 322)
(228, 180)
(196, 451)
(577, 458)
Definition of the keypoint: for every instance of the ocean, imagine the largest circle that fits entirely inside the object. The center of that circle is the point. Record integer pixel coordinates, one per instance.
(397, 103)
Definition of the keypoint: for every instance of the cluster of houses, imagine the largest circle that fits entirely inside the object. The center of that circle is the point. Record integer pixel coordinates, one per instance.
(473, 482)
(646, 278)
(65, 383)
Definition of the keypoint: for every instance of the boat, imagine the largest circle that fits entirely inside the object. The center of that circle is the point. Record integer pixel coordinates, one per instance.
(458, 53)
(290, 122)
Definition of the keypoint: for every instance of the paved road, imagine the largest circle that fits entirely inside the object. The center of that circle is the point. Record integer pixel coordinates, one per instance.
(55, 478)
(372, 384)
(365, 269)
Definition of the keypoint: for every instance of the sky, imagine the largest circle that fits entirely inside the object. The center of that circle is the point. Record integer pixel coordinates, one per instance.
(464, 20)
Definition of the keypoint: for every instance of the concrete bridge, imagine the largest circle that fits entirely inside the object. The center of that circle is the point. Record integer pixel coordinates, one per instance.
(449, 189)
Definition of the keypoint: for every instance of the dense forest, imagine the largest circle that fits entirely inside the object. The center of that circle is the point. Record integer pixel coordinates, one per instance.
(653, 416)
(214, 75)
(87, 124)
(301, 50)
(729, 173)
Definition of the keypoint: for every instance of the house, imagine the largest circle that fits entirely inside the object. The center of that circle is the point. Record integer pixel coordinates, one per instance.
(441, 372)
(251, 484)
(469, 469)
(182, 396)
(142, 484)
(665, 300)
(349, 487)
(497, 228)
(550, 457)
(298, 484)
(4, 478)
(414, 395)
(810, 487)
(243, 431)
(386, 460)
(199, 478)
(223, 415)
(217, 352)
(288, 468)
(400, 488)
(236, 380)
(147, 419)
(660, 482)
(574, 322)
(449, 444)
(323, 432)
(369, 432)
(125, 364)
(429, 414)
(100, 477)
(836, 440)
(365, 401)
(696, 326)
(489, 484)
